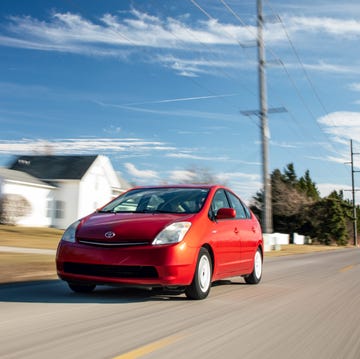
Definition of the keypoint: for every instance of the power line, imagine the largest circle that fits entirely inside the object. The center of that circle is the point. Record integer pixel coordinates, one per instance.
(303, 67)
(308, 78)
(211, 18)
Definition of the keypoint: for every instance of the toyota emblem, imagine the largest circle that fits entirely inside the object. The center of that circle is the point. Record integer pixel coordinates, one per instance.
(109, 235)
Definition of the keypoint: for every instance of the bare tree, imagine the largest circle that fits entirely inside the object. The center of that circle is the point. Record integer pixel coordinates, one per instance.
(202, 175)
(12, 208)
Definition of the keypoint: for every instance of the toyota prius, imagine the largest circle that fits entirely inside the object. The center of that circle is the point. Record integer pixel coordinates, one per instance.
(176, 237)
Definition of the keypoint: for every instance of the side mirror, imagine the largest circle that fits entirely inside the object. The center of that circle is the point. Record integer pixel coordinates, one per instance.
(226, 213)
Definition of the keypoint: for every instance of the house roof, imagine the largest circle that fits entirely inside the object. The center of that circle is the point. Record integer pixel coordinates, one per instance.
(54, 167)
(22, 177)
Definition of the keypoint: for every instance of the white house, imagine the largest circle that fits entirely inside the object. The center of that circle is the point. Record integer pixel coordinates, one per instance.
(77, 186)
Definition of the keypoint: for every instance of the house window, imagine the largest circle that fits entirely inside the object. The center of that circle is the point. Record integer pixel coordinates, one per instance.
(59, 209)
(49, 209)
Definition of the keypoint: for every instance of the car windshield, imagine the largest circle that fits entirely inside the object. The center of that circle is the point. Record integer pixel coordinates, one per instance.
(163, 200)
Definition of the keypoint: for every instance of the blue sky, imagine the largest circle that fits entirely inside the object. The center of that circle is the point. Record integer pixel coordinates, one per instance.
(159, 86)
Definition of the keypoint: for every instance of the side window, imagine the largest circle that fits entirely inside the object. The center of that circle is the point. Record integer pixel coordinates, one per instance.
(241, 211)
(219, 201)
(247, 211)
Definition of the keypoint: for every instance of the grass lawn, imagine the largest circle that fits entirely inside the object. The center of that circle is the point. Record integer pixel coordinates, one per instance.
(29, 237)
(16, 267)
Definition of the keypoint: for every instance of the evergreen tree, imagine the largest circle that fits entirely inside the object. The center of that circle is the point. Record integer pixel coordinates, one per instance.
(328, 224)
(307, 186)
(289, 175)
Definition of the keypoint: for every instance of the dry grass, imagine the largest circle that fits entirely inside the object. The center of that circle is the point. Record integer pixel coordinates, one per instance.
(300, 249)
(29, 237)
(16, 267)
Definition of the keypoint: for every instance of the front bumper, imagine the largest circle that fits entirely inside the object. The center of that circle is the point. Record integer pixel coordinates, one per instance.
(166, 265)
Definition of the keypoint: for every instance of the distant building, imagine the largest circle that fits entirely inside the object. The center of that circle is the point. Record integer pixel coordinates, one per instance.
(60, 189)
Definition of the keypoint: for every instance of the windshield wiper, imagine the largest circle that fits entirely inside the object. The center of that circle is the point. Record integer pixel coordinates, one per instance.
(154, 211)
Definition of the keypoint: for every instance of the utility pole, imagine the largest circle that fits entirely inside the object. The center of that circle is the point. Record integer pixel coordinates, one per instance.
(353, 192)
(267, 210)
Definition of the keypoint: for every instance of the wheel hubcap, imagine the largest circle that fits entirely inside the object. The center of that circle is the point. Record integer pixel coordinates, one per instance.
(258, 264)
(204, 273)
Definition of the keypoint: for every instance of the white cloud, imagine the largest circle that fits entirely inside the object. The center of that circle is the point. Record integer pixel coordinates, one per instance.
(241, 176)
(354, 87)
(82, 145)
(138, 32)
(283, 144)
(330, 26)
(191, 156)
(141, 174)
(73, 33)
(180, 176)
(332, 68)
(343, 125)
(326, 188)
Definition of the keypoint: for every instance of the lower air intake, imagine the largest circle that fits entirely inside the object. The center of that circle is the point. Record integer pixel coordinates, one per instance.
(110, 271)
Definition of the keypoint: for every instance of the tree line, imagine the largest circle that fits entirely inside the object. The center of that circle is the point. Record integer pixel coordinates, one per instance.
(297, 207)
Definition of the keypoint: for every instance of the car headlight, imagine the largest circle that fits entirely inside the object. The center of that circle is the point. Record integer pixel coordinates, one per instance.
(69, 234)
(172, 233)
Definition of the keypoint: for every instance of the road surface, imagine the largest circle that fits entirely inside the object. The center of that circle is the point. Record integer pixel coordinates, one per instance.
(307, 306)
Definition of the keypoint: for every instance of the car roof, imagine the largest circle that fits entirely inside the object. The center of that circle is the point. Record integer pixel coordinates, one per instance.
(187, 185)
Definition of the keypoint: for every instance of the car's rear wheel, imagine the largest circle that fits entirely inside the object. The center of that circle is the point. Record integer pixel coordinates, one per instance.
(255, 276)
(81, 288)
(201, 284)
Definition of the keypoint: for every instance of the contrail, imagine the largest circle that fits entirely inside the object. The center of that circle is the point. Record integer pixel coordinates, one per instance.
(179, 99)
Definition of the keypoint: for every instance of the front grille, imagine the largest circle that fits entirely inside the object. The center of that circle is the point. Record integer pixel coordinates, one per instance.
(112, 244)
(110, 271)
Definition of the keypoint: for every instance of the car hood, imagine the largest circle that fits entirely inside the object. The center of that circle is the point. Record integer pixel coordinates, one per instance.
(131, 228)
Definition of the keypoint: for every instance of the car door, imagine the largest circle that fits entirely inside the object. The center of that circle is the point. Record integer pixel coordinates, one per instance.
(225, 237)
(247, 235)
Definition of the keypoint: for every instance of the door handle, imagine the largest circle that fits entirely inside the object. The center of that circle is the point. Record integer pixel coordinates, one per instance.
(236, 230)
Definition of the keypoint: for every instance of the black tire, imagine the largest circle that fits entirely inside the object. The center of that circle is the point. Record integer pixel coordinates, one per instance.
(201, 284)
(255, 276)
(81, 288)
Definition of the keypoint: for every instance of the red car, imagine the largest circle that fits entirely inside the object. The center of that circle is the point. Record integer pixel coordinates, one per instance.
(176, 237)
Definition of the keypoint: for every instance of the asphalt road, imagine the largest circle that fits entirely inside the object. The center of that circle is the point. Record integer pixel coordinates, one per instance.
(307, 306)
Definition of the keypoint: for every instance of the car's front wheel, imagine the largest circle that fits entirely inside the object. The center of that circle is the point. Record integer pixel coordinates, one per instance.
(201, 284)
(81, 288)
(255, 276)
